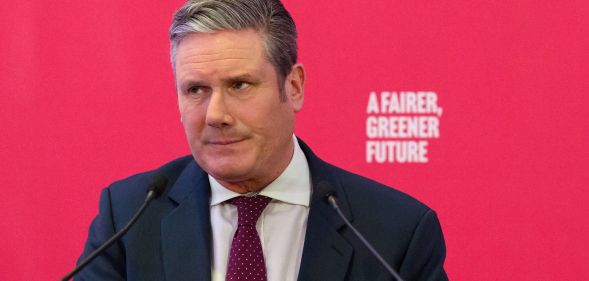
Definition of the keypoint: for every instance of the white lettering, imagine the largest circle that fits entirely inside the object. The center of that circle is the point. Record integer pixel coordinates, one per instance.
(372, 103)
(396, 151)
(418, 127)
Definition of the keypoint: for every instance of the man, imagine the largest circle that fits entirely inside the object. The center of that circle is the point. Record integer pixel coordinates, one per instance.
(239, 87)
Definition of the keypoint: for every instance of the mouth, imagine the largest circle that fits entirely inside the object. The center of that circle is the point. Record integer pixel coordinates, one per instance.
(224, 141)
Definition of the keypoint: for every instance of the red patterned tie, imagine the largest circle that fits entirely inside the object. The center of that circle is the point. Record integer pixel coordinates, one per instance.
(246, 260)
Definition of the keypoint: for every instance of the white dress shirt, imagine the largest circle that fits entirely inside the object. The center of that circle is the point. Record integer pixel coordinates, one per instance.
(281, 225)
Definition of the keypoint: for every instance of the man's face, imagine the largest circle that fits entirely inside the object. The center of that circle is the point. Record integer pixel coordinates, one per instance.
(238, 129)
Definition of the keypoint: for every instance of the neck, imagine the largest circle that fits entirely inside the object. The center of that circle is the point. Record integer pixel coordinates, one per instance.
(245, 186)
(258, 183)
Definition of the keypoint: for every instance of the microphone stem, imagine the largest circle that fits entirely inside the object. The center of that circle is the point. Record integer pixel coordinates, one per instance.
(334, 204)
(150, 195)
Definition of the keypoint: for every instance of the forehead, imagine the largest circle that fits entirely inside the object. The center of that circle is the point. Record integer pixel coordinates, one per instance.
(221, 49)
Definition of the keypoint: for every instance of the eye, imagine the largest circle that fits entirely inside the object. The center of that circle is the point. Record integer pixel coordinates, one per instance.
(240, 85)
(195, 90)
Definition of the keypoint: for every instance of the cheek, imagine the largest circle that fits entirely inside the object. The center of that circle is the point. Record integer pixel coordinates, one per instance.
(189, 109)
(261, 113)
(192, 119)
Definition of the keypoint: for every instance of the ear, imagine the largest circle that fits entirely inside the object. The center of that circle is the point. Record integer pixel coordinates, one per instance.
(295, 87)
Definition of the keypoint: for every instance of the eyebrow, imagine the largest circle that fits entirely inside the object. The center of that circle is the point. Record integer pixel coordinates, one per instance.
(189, 83)
(240, 77)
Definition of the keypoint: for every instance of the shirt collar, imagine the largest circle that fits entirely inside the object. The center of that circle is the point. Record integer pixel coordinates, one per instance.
(293, 186)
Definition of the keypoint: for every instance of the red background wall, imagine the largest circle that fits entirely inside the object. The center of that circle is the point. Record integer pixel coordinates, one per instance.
(87, 97)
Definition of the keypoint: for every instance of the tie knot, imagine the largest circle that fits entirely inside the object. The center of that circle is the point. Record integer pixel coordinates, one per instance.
(249, 208)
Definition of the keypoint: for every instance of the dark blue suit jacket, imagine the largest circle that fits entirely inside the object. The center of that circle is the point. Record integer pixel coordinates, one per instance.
(172, 240)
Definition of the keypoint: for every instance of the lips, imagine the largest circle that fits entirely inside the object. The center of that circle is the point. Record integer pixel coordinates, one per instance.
(223, 141)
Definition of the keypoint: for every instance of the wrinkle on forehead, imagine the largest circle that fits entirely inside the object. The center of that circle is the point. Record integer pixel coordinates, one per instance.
(195, 54)
(218, 43)
(208, 51)
(198, 56)
(228, 66)
(196, 60)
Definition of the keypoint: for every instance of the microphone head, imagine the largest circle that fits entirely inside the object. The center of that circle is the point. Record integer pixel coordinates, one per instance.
(158, 184)
(325, 191)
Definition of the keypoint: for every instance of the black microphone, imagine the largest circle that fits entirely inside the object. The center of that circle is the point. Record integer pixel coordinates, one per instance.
(155, 188)
(325, 189)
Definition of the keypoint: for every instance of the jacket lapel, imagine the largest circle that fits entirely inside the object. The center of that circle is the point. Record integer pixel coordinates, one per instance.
(326, 254)
(186, 230)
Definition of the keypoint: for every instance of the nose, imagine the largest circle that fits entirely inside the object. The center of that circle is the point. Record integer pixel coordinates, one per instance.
(218, 115)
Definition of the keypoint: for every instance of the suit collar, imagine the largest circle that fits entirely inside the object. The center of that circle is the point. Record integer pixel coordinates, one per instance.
(186, 230)
(326, 254)
(324, 172)
(187, 183)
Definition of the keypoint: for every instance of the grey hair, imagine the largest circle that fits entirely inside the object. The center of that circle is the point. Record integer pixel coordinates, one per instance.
(268, 17)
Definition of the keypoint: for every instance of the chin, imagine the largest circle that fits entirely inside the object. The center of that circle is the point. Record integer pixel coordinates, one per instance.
(232, 177)
(226, 164)
(229, 172)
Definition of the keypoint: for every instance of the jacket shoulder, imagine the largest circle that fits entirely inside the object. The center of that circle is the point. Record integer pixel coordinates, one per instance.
(139, 182)
(364, 195)
(373, 203)
(126, 195)
(360, 188)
